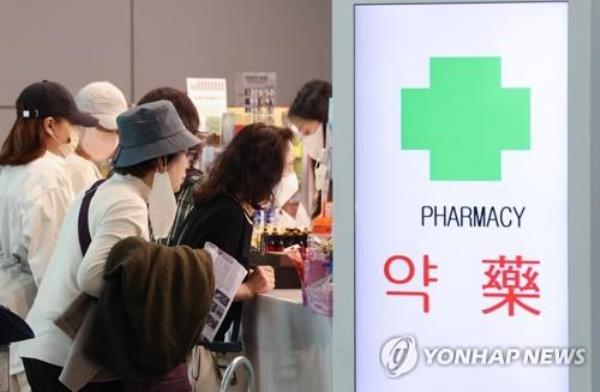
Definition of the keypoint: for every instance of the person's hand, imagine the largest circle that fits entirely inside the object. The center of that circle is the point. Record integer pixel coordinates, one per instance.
(261, 279)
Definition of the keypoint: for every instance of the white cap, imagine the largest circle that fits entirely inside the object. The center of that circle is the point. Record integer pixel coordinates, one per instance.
(102, 100)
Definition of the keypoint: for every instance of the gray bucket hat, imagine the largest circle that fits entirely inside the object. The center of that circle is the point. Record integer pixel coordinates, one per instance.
(149, 131)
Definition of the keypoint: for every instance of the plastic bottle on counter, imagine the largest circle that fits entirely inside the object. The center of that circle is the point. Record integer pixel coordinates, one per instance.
(322, 223)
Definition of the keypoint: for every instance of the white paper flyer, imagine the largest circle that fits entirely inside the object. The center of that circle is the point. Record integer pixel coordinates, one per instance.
(229, 275)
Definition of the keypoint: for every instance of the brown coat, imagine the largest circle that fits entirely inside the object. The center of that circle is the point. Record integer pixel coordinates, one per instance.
(152, 308)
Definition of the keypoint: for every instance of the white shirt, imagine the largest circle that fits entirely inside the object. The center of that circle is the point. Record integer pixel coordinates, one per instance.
(309, 195)
(82, 172)
(117, 210)
(33, 201)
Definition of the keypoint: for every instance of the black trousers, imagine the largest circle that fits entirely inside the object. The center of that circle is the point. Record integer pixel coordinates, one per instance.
(43, 377)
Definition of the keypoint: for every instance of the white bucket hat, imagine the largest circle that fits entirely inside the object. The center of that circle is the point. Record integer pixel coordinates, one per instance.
(102, 100)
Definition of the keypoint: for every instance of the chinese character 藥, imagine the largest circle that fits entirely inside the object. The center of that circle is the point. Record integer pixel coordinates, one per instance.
(410, 265)
(513, 283)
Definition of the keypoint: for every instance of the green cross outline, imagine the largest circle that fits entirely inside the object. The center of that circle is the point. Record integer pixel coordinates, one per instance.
(465, 119)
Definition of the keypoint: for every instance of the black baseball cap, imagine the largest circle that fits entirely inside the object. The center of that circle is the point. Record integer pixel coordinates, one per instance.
(45, 99)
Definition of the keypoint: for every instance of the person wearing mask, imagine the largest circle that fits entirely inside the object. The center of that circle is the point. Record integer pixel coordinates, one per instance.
(308, 115)
(241, 181)
(149, 167)
(94, 146)
(35, 192)
(189, 116)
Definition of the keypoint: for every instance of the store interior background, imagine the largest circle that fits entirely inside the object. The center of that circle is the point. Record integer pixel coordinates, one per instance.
(142, 44)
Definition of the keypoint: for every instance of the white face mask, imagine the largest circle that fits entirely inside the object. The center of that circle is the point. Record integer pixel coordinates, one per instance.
(75, 138)
(313, 144)
(287, 187)
(162, 206)
(64, 149)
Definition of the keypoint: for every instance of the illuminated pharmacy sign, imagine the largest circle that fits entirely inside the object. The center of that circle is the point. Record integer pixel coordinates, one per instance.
(461, 197)
(465, 119)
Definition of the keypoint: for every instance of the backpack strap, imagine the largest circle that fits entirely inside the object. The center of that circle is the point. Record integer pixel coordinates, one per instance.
(83, 226)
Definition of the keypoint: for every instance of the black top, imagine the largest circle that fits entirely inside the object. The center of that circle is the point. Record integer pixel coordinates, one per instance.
(222, 221)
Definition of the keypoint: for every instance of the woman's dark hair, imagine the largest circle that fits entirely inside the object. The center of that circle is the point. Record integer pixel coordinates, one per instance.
(26, 141)
(139, 170)
(312, 101)
(251, 165)
(183, 104)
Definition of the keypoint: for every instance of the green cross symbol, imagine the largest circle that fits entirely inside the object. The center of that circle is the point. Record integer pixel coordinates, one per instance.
(465, 119)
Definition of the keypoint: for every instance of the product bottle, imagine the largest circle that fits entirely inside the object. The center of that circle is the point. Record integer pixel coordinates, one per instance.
(322, 223)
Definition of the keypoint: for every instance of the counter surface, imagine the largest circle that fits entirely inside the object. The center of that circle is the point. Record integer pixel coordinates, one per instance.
(288, 345)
